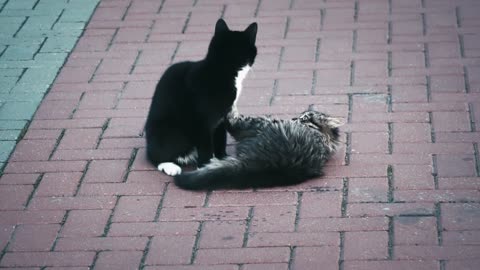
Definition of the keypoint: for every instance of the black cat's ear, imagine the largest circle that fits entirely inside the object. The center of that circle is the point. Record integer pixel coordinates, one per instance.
(252, 32)
(221, 26)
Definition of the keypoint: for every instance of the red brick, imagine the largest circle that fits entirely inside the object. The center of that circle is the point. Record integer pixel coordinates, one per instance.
(456, 165)
(72, 203)
(121, 132)
(436, 195)
(88, 44)
(103, 171)
(105, 189)
(389, 209)
(400, 117)
(18, 179)
(14, 197)
(131, 35)
(433, 148)
(67, 123)
(252, 198)
(170, 250)
(243, 255)
(222, 234)
(356, 171)
(6, 232)
(58, 184)
(56, 109)
(458, 238)
(367, 190)
(451, 121)
(140, 89)
(429, 107)
(442, 137)
(42, 134)
(115, 66)
(67, 259)
(369, 103)
(313, 257)
(459, 183)
(79, 223)
(194, 267)
(31, 217)
(340, 77)
(436, 252)
(364, 159)
(365, 245)
(80, 138)
(134, 104)
(409, 94)
(279, 218)
(470, 264)
(136, 208)
(415, 230)
(408, 59)
(293, 239)
(175, 197)
(460, 216)
(76, 74)
(411, 132)
(45, 166)
(101, 243)
(121, 143)
(369, 143)
(148, 177)
(118, 259)
(342, 224)
(102, 100)
(413, 177)
(91, 154)
(320, 99)
(321, 204)
(211, 213)
(265, 266)
(31, 150)
(153, 229)
(445, 83)
(393, 265)
(34, 237)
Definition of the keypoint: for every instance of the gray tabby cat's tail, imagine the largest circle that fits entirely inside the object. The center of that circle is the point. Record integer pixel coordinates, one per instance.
(233, 173)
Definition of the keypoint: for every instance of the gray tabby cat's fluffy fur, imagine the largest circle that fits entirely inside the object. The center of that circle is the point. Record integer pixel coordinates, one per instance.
(270, 152)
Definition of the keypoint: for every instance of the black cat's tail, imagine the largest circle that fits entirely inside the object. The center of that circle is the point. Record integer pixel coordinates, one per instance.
(233, 173)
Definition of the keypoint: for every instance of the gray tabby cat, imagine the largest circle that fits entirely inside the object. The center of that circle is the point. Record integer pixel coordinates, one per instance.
(270, 152)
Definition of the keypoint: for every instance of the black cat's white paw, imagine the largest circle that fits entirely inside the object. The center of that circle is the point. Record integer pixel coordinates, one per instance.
(169, 168)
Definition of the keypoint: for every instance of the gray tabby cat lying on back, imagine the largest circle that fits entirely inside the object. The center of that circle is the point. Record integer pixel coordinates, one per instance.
(270, 152)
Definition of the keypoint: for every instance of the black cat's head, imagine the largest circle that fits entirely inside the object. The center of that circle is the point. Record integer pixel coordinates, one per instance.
(322, 122)
(233, 48)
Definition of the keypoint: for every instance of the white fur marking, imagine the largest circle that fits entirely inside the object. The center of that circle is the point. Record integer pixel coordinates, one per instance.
(169, 168)
(242, 73)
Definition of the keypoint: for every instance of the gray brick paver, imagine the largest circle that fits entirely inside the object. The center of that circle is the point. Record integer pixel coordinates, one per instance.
(35, 39)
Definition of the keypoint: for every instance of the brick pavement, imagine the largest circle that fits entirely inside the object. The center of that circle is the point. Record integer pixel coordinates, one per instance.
(403, 192)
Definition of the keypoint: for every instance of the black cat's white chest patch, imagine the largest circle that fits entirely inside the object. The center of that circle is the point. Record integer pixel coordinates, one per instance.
(242, 73)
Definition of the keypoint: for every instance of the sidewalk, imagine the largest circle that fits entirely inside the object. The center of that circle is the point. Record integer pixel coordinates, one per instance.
(402, 193)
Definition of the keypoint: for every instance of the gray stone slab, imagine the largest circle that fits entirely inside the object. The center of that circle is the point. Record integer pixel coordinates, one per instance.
(10, 134)
(6, 148)
(18, 110)
(12, 124)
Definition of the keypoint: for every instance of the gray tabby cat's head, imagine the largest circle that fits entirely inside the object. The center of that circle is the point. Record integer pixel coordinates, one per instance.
(322, 122)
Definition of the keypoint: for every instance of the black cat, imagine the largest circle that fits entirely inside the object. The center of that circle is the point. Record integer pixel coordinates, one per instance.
(270, 152)
(185, 124)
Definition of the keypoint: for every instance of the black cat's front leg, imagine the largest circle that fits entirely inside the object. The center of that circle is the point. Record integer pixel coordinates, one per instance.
(220, 141)
(204, 145)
